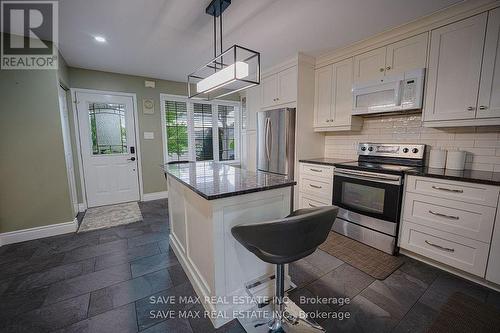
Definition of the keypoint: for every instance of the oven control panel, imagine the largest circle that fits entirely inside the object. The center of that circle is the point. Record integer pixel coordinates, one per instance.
(405, 150)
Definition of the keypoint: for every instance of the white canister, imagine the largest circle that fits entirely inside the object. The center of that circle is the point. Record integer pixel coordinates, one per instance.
(437, 158)
(455, 160)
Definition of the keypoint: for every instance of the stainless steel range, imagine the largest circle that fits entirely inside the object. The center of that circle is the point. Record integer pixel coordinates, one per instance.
(369, 192)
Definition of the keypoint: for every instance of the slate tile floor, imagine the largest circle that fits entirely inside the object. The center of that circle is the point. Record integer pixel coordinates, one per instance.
(101, 281)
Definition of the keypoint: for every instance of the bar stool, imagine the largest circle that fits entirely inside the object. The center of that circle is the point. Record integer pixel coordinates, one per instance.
(281, 242)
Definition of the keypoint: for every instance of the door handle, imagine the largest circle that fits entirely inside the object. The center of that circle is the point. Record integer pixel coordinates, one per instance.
(439, 246)
(131, 159)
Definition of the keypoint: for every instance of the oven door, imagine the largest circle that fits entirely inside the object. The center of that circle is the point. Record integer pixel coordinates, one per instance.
(368, 193)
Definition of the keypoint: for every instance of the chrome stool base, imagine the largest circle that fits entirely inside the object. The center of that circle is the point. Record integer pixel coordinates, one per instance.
(293, 319)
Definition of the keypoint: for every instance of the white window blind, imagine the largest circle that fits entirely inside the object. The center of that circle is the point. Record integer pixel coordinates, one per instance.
(200, 131)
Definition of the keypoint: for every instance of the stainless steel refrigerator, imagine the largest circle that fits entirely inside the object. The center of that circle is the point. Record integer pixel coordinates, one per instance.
(276, 141)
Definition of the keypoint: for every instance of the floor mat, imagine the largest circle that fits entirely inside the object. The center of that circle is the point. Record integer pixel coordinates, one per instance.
(110, 216)
(365, 258)
(462, 313)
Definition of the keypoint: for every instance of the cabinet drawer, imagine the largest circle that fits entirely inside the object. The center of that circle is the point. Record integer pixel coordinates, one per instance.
(464, 219)
(459, 252)
(317, 187)
(449, 189)
(315, 170)
(308, 201)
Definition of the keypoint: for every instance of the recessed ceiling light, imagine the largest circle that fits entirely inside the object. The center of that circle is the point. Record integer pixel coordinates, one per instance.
(100, 39)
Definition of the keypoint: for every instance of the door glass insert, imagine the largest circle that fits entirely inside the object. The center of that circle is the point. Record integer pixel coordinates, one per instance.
(177, 131)
(107, 128)
(363, 197)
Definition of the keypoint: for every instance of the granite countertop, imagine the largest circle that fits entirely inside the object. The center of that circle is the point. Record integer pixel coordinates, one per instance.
(214, 180)
(325, 160)
(473, 176)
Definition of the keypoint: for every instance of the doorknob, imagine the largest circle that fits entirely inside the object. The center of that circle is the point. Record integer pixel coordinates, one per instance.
(132, 158)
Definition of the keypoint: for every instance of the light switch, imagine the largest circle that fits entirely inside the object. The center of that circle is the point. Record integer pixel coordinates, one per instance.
(149, 135)
(149, 84)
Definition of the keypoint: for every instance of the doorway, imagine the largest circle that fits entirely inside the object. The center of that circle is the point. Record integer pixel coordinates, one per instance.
(108, 147)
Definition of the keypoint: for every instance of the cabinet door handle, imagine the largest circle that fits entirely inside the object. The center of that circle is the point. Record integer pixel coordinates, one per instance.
(382, 69)
(451, 217)
(312, 206)
(316, 170)
(315, 186)
(471, 108)
(447, 189)
(483, 107)
(388, 68)
(440, 247)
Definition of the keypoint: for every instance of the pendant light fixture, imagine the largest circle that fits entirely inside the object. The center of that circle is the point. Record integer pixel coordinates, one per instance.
(235, 69)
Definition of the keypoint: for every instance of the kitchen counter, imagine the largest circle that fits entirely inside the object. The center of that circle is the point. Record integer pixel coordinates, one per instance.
(214, 180)
(473, 176)
(325, 161)
(207, 199)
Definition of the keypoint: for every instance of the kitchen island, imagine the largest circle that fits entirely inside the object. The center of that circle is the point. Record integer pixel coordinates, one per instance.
(205, 200)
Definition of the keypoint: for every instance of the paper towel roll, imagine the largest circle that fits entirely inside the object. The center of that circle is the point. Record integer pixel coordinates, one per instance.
(455, 160)
(437, 158)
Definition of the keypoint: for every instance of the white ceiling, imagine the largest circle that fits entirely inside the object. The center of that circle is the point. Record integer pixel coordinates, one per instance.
(168, 39)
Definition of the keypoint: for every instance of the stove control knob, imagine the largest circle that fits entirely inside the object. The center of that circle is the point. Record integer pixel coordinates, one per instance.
(405, 150)
(370, 148)
(363, 148)
(414, 150)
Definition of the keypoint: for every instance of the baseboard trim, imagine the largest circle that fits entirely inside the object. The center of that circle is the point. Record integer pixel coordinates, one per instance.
(155, 196)
(82, 207)
(18, 236)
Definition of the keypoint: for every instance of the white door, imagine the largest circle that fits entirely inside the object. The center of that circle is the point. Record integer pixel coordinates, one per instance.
(342, 92)
(107, 138)
(68, 153)
(323, 102)
(287, 86)
(370, 65)
(406, 55)
(454, 70)
(489, 91)
(269, 91)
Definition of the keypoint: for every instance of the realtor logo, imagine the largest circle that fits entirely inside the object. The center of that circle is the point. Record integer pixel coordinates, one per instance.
(29, 34)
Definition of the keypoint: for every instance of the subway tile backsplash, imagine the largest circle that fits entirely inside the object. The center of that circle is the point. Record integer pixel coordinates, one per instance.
(482, 144)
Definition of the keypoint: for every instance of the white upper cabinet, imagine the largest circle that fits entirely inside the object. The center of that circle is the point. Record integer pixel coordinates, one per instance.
(342, 92)
(407, 55)
(489, 87)
(333, 98)
(370, 65)
(396, 58)
(456, 52)
(269, 90)
(279, 88)
(323, 98)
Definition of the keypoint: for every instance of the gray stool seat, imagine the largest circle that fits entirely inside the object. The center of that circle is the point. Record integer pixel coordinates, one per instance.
(284, 241)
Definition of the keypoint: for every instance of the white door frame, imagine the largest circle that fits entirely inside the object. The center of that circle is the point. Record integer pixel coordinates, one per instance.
(79, 145)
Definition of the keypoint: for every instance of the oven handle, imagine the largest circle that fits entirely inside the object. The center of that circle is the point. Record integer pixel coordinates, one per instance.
(396, 180)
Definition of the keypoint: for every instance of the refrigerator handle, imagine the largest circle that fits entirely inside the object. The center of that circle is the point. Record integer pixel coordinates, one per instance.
(268, 138)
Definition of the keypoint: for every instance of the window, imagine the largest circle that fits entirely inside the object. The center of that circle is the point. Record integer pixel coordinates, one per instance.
(203, 139)
(177, 130)
(226, 132)
(200, 131)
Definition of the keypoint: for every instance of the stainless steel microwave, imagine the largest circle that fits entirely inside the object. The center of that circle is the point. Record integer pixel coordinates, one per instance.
(395, 93)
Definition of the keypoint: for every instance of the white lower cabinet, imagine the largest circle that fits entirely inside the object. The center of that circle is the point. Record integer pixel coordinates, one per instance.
(452, 222)
(315, 185)
(463, 253)
(493, 270)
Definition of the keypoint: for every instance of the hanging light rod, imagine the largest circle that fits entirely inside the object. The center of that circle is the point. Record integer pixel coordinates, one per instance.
(234, 69)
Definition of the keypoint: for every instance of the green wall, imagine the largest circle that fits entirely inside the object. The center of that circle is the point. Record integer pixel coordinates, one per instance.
(34, 185)
(151, 150)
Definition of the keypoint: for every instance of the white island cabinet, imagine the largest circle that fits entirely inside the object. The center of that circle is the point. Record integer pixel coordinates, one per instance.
(205, 200)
